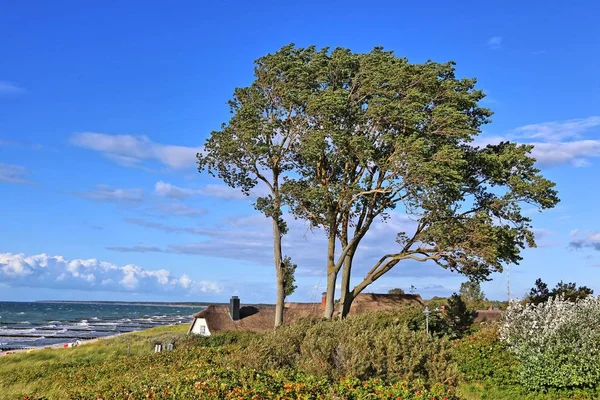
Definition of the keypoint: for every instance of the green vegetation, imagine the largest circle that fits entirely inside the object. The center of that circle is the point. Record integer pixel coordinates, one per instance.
(569, 291)
(379, 355)
(471, 293)
(342, 139)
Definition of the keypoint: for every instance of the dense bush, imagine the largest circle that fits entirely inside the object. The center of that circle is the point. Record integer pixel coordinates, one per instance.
(557, 342)
(483, 358)
(193, 372)
(363, 347)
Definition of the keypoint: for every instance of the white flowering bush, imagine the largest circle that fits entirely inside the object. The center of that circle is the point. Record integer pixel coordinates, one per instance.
(557, 342)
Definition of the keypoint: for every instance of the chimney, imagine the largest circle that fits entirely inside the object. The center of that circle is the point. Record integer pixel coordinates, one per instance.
(234, 308)
(323, 300)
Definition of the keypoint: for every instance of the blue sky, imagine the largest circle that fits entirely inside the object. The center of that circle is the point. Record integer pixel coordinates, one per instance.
(103, 106)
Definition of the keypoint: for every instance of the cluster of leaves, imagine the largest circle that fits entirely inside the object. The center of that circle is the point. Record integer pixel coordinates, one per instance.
(557, 342)
(568, 291)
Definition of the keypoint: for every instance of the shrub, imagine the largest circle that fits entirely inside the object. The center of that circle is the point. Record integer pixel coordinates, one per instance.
(483, 358)
(364, 347)
(557, 342)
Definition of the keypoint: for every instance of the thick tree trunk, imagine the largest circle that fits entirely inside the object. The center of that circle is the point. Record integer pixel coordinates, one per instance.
(346, 296)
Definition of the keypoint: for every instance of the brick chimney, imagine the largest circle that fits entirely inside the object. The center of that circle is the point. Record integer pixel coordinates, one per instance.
(234, 308)
(323, 300)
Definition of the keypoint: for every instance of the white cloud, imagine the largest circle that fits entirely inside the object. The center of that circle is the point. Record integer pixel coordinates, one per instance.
(104, 193)
(13, 174)
(556, 131)
(10, 89)
(175, 192)
(555, 142)
(133, 151)
(222, 192)
(495, 42)
(185, 281)
(179, 209)
(44, 271)
(575, 152)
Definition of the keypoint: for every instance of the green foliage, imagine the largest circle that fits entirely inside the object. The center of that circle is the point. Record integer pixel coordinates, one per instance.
(557, 342)
(568, 291)
(460, 318)
(377, 357)
(288, 270)
(396, 291)
(472, 294)
(367, 346)
(483, 358)
(199, 368)
(343, 138)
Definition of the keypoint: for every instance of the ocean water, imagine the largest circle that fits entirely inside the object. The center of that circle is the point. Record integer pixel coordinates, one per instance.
(25, 325)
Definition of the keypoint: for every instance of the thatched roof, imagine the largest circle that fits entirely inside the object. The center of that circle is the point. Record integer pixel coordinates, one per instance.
(366, 302)
(487, 315)
(259, 318)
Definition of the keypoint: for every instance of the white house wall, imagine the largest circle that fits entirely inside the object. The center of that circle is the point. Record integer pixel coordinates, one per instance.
(199, 327)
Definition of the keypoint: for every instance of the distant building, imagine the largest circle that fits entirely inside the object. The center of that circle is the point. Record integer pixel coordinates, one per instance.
(489, 315)
(259, 318)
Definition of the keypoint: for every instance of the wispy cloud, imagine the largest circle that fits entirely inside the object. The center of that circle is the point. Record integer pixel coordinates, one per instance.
(557, 131)
(42, 270)
(14, 174)
(136, 249)
(10, 89)
(175, 192)
(555, 142)
(178, 209)
(249, 239)
(590, 240)
(134, 151)
(495, 42)
(107, 194)
(26, 145)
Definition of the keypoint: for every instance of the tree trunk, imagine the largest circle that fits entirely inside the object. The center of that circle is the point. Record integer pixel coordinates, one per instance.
(279, 304)
(346, 296)
(331, 276)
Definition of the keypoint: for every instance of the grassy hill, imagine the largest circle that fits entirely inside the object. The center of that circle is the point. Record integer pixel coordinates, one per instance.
(373, 356)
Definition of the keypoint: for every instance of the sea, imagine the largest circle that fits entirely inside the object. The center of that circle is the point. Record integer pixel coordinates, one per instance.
(38, 324)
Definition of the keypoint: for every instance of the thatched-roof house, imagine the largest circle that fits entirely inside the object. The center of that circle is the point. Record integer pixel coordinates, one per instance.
(489, 315)
(259, 318)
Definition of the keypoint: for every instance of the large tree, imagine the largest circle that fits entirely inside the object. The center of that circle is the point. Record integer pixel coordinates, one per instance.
(255, 146)
(385, 134)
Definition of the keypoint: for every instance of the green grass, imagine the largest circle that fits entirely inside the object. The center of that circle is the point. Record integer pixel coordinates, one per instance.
(22, 373)
(234, 366)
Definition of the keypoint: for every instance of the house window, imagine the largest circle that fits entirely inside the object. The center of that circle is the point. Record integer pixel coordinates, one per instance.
(202, 330)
